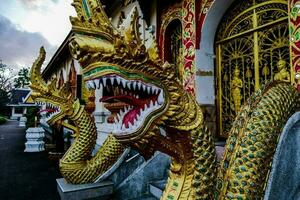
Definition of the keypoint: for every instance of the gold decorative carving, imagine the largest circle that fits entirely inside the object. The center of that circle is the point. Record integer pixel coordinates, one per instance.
(255, 39)
(282, 74)
(236, 85)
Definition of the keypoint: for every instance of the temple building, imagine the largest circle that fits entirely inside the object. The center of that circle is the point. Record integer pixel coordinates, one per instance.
(221, 57)
(20, 100)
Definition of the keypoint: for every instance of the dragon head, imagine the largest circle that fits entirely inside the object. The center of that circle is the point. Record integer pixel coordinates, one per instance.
(59, 102)
(128, 70)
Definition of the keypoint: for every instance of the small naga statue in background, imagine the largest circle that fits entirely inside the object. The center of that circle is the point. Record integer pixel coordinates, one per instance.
(118, 58)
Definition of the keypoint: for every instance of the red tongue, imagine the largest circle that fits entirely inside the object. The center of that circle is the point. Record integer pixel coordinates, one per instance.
(125, 98)
(130, 116)
(47, 110)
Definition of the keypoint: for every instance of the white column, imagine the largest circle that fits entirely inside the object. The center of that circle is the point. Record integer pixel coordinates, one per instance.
(12, 113)
(100, 115)
(24, 110)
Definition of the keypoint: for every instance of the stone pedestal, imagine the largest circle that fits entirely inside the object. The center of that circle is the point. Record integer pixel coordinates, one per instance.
(22, 122)
(35, 141)
(100, 118)
(102, 190)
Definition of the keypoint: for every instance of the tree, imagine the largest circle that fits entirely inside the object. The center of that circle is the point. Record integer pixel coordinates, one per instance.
(4, 99)
(6, 76)
(22, 79)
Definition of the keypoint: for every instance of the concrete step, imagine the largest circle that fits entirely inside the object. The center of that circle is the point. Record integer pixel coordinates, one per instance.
(157, 188)
(146, 197)
(102, 190)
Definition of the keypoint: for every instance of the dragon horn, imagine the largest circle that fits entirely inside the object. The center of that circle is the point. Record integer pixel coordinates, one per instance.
(91, 19)
(131, 27)
(37, 82)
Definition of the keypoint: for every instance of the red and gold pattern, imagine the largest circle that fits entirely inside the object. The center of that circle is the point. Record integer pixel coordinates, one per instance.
(172, 13)
(189, 44)
(295, 39)
(204, 8)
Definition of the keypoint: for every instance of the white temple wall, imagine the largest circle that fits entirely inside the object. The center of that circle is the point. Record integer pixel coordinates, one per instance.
(205, 56)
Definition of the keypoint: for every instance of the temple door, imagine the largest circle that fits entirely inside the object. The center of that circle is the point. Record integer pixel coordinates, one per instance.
(252, 48)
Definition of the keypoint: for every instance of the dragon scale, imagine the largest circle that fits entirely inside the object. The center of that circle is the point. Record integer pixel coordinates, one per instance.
(75, 165)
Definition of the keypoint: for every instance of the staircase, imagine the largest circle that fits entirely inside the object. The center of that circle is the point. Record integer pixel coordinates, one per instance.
(157, 188)
(146, 182)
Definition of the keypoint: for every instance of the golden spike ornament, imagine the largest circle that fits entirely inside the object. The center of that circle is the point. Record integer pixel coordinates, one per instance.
(131, 72)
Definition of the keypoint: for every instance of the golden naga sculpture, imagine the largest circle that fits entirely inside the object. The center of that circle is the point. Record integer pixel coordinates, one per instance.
(113, 58)
(236, 85)
(282, 74)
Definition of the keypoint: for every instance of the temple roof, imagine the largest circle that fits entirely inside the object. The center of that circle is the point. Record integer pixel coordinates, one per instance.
(18, 95)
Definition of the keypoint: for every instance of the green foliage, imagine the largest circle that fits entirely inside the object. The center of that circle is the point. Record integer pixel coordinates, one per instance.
(32, 112)
(6, 75)
(2, 120)
(4, 99)
(22, 79)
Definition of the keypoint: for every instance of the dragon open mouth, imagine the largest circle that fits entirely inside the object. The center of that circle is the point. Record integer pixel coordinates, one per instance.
(138, 99)
(49, 111)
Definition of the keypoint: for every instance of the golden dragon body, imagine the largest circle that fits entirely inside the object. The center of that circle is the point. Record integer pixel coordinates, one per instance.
(119, 60)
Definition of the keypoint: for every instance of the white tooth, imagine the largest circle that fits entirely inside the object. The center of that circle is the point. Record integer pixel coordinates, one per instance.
(124, 83)
(129, 125)
(116, 120)
(134, 85)
(123, 127)
(121, 113)
(112, 80)
(134, 122)
(118, 80)
(104, 81)
(160, 99)
(144, 87)
(137, 96)
(126, 109)
(97, 83)
(148, 89)
(90, 85)
(152, 90)
(128, 85)
(139, 84)
(155, 103)
(151, 104)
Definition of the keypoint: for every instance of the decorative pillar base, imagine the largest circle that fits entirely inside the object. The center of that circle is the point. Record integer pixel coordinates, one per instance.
(22, 122)
(35, 141)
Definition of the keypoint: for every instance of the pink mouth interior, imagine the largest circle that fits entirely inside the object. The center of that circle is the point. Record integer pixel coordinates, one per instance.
(48, 110)
(137, 104)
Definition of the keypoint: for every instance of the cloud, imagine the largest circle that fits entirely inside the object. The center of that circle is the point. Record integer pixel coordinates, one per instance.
(20, 48)
(36, 4)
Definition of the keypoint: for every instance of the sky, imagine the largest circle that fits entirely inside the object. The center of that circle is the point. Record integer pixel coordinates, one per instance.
(26, 25)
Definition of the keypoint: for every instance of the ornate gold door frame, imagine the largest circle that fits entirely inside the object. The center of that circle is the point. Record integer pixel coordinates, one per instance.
(252, 48)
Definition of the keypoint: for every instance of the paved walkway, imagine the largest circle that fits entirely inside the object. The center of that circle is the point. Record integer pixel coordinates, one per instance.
(24, 176)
